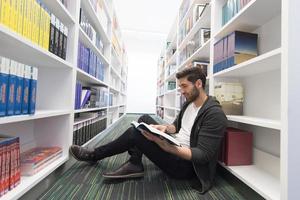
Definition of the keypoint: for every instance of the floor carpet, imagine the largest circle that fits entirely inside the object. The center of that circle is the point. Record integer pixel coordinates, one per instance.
(84, 181)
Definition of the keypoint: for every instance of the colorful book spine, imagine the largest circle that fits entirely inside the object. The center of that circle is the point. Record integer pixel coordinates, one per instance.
(11, 88)
(32, 90)
(4, 74)
(26, 84)
(65, 42)
(19, 89)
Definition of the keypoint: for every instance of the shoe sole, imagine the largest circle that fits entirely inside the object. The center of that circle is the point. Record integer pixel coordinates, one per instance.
(91, 162)
(135, 175)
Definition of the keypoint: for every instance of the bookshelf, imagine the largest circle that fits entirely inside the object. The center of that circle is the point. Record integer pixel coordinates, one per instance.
(54, 119)
(269, 81)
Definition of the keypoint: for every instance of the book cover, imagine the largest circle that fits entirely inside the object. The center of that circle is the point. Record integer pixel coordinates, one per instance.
(11, 88)
(150, 129)
(26, 84)
(19, 89)
(4, 74)
(32, 90)
(238, 147)
(85, 97)
(60, 39)
(65, 42)
(52, 34)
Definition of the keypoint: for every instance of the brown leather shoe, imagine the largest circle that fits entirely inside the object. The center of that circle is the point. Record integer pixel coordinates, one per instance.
(127, 170)
(83, 154)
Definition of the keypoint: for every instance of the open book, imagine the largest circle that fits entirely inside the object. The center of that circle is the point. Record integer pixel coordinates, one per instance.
(150, 129)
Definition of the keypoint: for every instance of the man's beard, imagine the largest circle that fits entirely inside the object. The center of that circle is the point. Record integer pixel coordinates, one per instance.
(193, 95)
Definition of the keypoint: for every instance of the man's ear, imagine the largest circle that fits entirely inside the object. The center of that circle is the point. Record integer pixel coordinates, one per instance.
(199, 83)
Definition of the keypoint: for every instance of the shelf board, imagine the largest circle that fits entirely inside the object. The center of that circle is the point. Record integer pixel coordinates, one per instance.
(60, 11)
(202, 54)
(171, 77)
(21, 49)
(266, 123)
(260, 181)
(93, 18)
(115, 72)
(266, 62)
(89, 109)
(39, 114)
(255, 14)
(107, 11)
(203, 22)
(172, 60)
(89, 79)
(190, 10)
(88, 43)
(84, 119)
(114, 89)
(171, 108)
(28, 182)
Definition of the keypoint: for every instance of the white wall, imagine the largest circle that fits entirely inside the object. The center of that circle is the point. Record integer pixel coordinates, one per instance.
(143, 51)
(145, 25)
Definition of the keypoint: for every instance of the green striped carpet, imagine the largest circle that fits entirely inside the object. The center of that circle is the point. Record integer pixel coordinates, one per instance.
(84, 181)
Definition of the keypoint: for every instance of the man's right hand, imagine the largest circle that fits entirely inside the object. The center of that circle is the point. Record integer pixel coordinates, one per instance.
(162, 128)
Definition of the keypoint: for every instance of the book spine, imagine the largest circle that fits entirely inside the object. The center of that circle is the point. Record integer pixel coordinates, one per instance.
(11, 88)
(32, 90)
(60, 39)
(4, 74)
(26, 80)
(52, 34)
(19, 90)
(65, 42)
(56, 36)
(1, 168)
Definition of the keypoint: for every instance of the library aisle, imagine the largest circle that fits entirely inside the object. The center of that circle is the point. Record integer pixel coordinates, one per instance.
(64, 80)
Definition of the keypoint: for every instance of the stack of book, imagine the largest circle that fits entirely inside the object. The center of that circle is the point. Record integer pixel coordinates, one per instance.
(10, 174)
(90, 31)
(236, 148)
(89, 62)
(36, 159)
(233, 49)
(18, 84)
(90, 97)
(231, 8)
(87, 126)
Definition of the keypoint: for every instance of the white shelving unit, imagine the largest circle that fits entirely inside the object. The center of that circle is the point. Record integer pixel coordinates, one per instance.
(52, 124)
(270, 83)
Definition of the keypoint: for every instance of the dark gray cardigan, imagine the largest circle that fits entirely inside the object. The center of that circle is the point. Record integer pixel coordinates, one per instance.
(206, 136)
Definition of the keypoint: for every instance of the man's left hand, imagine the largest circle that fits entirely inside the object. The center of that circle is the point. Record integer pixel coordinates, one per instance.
(160, 142)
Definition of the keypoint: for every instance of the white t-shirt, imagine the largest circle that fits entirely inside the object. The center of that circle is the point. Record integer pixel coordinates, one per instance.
(189, 116)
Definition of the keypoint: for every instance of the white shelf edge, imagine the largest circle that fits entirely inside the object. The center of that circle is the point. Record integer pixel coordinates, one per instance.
(39, 114)
(205, 18)
(266, 123)
(170, 92)
(18, 41)
(60, 11)
(89, 109)
(29, 182)
(85, 77)
(171, 60)
(252, 61)
(255, 178)
(87, 119)
(199, 50)
(87, 40)
(93, 18)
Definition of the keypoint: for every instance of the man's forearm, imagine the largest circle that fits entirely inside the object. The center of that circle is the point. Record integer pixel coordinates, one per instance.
(171, 129)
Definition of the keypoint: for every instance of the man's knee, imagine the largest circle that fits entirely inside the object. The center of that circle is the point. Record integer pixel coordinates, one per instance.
(144, 118)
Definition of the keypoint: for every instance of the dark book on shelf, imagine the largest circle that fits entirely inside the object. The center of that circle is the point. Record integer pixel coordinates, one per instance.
(143, 126)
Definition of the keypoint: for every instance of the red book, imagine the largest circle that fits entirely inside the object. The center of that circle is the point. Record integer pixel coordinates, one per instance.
(239, 147)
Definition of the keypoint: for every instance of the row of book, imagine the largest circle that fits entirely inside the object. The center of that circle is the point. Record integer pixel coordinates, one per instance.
(89, 62)
(234, 49)
(37, 158)
(198, 11)
(90, 31)
(10, 170)
(171, 85)
(90, 97)
(199, 39)
(86, 130)
(231, 97)
(31, 19)
(231, 8)
(98, 6)
(18, 85)
(58, 37)
(236, 148)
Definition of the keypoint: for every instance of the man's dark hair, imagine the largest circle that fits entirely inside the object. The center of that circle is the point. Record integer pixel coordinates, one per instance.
(192, 74)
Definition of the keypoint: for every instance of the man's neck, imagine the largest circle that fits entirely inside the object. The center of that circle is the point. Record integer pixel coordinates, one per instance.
(201, 99)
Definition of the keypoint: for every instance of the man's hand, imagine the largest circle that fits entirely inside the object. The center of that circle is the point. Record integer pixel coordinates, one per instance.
(162, 128)
(166, 146)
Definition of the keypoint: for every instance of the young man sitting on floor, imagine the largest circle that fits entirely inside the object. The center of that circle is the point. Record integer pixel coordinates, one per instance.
(199, 127)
